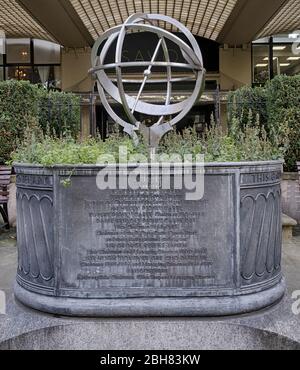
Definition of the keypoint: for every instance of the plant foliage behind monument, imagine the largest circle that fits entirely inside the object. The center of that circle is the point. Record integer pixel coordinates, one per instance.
(23, 104)
(277, 107)
(283, 108)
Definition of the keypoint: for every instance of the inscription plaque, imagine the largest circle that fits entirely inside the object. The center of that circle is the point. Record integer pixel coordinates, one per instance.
(144, 240)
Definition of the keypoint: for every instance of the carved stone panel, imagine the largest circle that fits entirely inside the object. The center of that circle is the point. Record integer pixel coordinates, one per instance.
(146, 243)
(260, 234)
(35, 238)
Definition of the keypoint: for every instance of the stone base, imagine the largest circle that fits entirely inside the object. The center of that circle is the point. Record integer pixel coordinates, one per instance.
(152, 307)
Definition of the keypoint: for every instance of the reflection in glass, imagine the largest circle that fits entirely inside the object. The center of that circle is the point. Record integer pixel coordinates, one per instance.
(46, 52)
(260, 64)
(19, 73)
(2, 44)
(286, 58)
(48, 76)
(285, 61)
(18, 50)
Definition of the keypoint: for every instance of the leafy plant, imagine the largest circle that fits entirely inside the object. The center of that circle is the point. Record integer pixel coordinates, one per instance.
(21, 103)
(250, 144)
(246, 99)
(283, 108)
(59, 112)
(17, 108)
(277, 107)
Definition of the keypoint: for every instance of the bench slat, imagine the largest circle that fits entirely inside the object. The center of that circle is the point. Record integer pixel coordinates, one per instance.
(4, 178)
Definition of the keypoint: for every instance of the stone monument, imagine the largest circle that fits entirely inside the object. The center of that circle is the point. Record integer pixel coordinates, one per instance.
(142, 252)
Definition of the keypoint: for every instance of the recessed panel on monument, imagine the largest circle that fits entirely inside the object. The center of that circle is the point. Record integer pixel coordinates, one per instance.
(149, 243)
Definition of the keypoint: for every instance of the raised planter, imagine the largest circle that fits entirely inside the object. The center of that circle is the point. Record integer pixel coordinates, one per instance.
(90, 252)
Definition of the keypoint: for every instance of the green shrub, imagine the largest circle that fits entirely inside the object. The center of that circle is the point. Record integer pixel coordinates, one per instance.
(22, 103)
(283, 108)
(237, 146)
(277, 106)
(246, 99)
(59, 112)
(18, 106)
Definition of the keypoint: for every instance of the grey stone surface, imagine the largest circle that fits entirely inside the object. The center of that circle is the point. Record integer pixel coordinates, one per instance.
(155, 335)
(288, 224)
(291, 196)
(288, 221)
(90, 252)
(272, 328)
(151, 307)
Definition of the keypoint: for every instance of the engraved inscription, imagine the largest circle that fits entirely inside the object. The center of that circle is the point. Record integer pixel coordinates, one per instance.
(148, 238)
(260, 178)
(34, 180)
(145, 243)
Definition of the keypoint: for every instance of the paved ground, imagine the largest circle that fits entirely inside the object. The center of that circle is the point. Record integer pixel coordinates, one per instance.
(8, 258)
(291, 263)
(223, 333)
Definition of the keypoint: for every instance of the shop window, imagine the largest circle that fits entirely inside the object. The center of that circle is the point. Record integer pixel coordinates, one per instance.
(285, 61)
(20, 73)
(46, 52)
(48, 76)
(261, 66)
(18, 51)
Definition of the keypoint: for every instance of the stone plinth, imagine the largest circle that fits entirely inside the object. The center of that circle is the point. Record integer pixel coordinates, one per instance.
(90, 252)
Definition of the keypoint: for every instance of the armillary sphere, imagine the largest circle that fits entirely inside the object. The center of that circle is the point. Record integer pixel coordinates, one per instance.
(170, 112)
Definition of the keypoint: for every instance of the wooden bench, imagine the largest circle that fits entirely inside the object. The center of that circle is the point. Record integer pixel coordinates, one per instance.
(5, 174)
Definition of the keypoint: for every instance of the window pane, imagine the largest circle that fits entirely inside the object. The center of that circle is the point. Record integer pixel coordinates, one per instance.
(285, 61)
(1, 74)
(46, 52)
(260, 64)
(48, 76)
(19, 73)
(57, 78)
(18, 50)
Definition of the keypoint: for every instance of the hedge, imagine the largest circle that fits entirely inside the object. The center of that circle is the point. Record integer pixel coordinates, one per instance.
(278, 108)
(59, 112)
(241, 101)
(22, 104)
